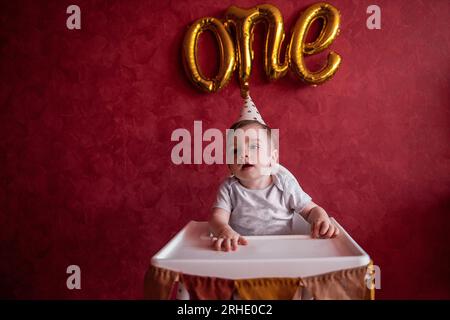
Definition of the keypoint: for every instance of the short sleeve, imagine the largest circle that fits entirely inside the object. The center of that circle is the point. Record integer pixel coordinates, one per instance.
(223, 198)
(297, 198)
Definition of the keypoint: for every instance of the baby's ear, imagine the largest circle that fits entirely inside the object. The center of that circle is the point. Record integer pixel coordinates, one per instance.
(274, 162)
(274, 157)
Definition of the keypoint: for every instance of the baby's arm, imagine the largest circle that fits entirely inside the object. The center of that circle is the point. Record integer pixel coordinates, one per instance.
(226, 237)
(320, 221)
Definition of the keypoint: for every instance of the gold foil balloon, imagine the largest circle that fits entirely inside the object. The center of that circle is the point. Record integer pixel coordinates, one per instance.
(299, 47)
(244, 22)
(226, 49)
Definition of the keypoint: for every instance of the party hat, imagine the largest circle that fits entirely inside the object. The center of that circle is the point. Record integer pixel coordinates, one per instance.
(250, 112)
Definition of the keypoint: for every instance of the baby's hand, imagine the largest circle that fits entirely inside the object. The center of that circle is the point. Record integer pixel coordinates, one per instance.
(228, 239)
(322, 227)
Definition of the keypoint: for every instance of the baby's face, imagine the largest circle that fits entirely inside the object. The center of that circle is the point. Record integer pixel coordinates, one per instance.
(253, 157)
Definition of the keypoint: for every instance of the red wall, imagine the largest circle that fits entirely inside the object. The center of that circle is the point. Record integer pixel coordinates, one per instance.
(86, 118)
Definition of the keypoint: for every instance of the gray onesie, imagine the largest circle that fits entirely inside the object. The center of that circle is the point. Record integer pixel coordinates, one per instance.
(266, 211)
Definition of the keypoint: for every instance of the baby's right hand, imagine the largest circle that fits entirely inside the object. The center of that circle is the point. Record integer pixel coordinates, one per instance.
(228, 239)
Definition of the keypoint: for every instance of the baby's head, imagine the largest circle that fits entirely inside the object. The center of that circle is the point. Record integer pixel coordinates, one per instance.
(252, 150)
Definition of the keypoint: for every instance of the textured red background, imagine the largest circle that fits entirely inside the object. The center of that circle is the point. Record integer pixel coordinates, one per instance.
(86, 118)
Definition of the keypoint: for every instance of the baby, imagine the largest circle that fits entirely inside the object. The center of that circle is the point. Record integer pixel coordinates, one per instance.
(261, 197)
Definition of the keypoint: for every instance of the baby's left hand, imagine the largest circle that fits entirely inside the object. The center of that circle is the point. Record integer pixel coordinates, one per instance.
(321, 226)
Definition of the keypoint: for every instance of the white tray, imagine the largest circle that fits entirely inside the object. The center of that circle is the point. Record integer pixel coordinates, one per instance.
(190, 252)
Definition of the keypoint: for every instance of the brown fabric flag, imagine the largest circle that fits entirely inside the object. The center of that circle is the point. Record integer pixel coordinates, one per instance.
(267, 288)
(339, 285)
(159, 283)
(208, 288)
(348, 284)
